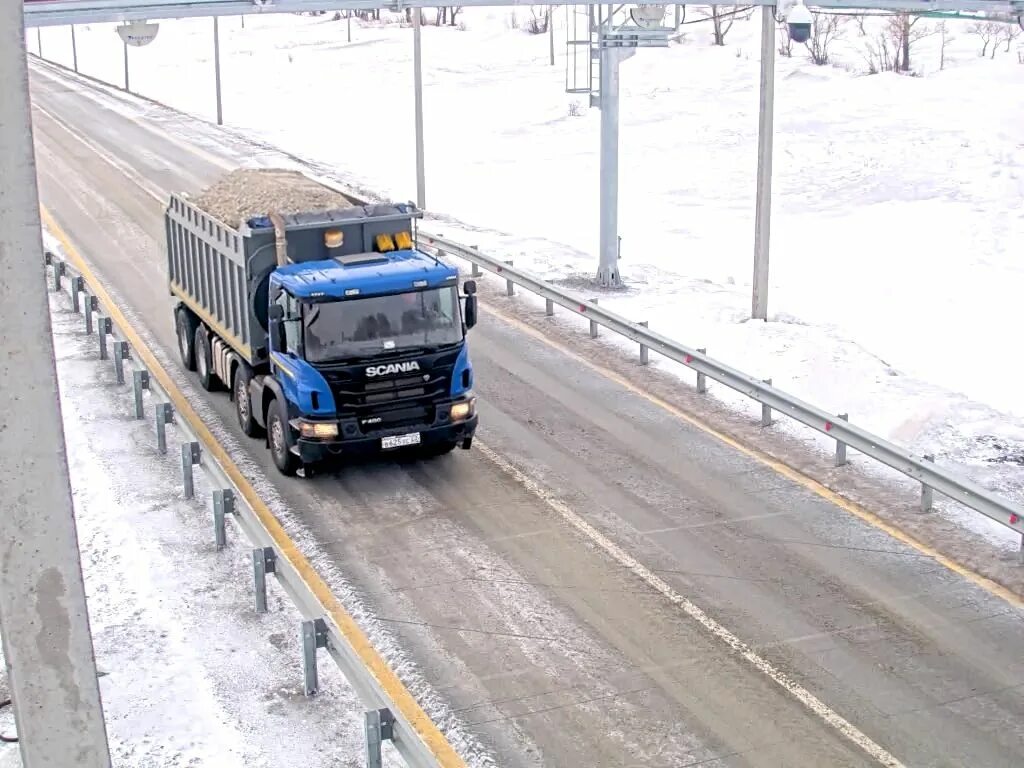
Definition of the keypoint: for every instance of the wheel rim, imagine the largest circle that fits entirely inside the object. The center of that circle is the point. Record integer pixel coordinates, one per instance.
(277, 436)
(182, 340)
(242, 398)
(201, 361)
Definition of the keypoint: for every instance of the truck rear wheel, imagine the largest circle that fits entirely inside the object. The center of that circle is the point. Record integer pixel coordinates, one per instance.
(280, 444)
(185, 327)
(243, 401)
(204, 360)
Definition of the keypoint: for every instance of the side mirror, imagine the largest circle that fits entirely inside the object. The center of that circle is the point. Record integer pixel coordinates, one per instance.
(470, 311)
(469, 287)
(276, 312)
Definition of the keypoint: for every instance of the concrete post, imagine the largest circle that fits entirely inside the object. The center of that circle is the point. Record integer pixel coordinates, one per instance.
(765, 138)
(47, 642)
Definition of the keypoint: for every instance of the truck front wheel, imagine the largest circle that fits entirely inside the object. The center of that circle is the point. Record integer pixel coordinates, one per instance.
(280, 446)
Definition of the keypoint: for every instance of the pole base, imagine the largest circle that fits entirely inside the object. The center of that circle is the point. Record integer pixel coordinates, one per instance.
(609, 277)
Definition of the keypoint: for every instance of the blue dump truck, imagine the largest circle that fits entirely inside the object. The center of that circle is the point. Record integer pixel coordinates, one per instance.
(333, 334)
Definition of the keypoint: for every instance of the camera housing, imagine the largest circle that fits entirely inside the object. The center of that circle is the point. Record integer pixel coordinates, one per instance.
(799, 20)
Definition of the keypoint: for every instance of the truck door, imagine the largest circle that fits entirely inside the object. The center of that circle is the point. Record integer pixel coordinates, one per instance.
(286, 344)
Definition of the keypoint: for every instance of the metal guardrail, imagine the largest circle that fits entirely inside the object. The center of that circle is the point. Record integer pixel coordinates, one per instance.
(922, 469)
(392, 713)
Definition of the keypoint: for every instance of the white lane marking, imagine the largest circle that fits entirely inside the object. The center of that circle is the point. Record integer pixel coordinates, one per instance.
(130, 173)
(712, 523)
(96, 93)
(695, 612)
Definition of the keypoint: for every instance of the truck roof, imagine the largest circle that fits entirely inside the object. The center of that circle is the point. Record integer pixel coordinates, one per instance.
(370, 273)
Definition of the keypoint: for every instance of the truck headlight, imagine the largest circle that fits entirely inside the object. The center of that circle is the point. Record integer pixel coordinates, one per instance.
(463, 410)
(318, 429)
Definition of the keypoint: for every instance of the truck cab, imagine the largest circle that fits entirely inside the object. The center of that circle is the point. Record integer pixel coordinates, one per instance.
(367, 353)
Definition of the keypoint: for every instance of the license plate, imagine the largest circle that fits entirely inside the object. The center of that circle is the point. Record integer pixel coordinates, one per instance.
(400, 441)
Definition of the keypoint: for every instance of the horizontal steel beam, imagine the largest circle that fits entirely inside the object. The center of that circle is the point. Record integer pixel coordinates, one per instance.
(48, 13)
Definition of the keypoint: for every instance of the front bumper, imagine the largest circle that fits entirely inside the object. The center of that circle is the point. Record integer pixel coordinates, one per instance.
(312, 451)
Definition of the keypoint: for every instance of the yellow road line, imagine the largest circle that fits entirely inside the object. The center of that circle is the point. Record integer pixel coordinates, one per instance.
(398, 694)
(772, 463)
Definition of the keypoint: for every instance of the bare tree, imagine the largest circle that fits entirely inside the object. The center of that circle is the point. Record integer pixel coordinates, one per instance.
(1010, 33)
(537, 24)
(785, 41)
(824, 31)
(446, 14)
(989, 33)
(878, 54)
(905, 29)
(859, 21)
(723, 17)
(946, 39)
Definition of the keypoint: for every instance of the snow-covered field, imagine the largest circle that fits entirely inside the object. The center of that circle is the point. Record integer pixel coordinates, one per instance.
(192, 676)
(898, 221)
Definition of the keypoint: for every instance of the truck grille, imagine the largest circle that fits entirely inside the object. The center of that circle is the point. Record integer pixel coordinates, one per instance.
(362, 396)
(398, 417)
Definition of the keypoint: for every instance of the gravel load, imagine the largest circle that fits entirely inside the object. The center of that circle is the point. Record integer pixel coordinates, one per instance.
(248, 192)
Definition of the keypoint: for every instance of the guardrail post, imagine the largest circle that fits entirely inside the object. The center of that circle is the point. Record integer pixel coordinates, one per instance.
(91, 305)
(766, 410)
(476, 267)
(593, 324)
(140, 381)
(164, 416)
(120, 355)
(380, 727)
(927, 493)
(190, 454)
(840, 445)
(264, 561)
(223, 505)
(77, 286)
(549, 307)
(105, 328)
(702, 379)
(58, 272)
(644, 353)
(510, 287)
(314, 635)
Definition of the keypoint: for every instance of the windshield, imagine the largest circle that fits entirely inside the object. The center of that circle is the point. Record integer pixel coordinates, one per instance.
(358, 327)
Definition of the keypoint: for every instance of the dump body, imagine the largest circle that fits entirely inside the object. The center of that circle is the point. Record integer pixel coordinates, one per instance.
(222, 274)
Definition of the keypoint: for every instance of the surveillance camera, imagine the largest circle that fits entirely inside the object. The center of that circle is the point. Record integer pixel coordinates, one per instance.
(799, 21)
(647, 16)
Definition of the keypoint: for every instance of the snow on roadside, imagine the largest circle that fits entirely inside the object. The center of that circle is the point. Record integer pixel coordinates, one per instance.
(897, 200)
(192, 675)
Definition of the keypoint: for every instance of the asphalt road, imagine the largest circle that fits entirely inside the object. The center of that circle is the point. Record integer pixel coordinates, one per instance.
(562, 645)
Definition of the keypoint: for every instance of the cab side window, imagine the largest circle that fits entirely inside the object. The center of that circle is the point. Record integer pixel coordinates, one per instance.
(292, 325)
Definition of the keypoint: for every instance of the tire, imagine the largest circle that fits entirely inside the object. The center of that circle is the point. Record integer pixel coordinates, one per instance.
(286, 462)
(185, 329)
(467, 443)
(204, 360)
(243, 401)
